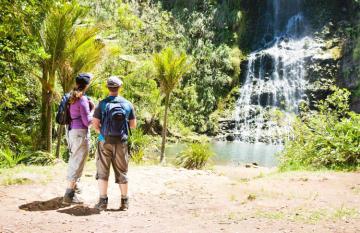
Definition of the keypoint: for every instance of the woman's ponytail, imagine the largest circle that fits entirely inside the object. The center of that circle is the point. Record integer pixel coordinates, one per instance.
(82, 81)
(76, 94)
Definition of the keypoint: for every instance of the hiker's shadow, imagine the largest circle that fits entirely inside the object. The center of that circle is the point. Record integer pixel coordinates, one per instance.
(56, 204)
(52, 204)
(80, 210)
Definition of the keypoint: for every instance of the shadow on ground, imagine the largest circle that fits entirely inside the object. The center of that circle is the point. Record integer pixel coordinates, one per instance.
(114, 210)
(80, 210)
(56, 204)
(52, 204)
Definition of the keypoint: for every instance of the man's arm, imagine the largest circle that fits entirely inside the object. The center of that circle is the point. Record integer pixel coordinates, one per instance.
(132, 117)
(96, 119)
(96, 124)
(132, 123)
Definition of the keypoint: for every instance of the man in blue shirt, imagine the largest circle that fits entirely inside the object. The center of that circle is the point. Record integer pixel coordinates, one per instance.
(113, 149)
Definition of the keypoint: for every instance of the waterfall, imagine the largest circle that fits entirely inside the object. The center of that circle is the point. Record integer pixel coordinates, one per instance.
(275, 78)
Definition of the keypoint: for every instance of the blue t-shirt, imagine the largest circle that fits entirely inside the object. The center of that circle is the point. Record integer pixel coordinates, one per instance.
(130, 113)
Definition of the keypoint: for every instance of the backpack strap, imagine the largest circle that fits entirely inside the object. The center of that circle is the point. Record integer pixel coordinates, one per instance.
(102, 108)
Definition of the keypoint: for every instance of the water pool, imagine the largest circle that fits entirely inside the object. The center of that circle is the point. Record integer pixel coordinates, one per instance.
(235, 153)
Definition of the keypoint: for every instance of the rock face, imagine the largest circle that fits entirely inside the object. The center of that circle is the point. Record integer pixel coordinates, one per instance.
(349, 76)
(355, 104)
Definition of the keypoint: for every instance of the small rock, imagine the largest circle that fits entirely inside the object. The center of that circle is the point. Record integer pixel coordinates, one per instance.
(230, 137)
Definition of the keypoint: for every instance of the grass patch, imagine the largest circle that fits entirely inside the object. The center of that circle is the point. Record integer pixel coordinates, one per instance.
(261, 175)
(244, 180)
(311, 216)
(232, 216)
(355, 189)
(251, 197)
(275, 215)
(233, 198)
(15, 181)
(22, 174)
(344, 212)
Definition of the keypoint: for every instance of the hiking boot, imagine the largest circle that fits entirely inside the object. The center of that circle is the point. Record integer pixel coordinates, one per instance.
(76, 200)
(124, 204)
(70, 198)
(102, 204)
(66, 200)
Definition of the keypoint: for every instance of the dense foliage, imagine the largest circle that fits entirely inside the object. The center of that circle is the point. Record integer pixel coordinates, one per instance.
(326, 138)
(138, 142)
(39, 59)
(19, 93)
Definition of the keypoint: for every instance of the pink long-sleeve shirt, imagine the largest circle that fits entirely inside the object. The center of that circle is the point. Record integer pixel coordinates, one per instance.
(80, 114)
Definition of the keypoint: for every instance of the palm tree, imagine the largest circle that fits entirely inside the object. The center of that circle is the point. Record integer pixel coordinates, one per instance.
(170, 67)
(58, 26)
(82, 53)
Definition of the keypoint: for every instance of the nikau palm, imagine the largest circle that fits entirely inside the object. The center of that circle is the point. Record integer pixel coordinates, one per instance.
(170, 67)
(82, 53)
(61, 39)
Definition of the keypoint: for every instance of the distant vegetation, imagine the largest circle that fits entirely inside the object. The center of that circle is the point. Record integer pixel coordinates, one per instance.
(326, 138)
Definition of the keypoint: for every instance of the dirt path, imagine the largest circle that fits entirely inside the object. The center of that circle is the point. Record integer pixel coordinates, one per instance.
(165, 199)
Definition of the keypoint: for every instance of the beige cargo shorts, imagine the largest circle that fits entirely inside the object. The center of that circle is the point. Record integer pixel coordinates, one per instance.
(115, 154)
(78, 142)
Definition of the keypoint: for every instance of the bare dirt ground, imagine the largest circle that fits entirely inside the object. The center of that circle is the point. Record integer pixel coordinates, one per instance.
(167, 199)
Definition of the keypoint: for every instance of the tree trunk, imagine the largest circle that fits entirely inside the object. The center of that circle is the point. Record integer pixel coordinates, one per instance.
(44, 108)
(164, 130)
(59, 137)
(48, 122)
(46, 113)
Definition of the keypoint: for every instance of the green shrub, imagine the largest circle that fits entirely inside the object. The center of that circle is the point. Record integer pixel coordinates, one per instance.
(41, 158)
(9, 158)
(326, 138)
(137, 156)
(92, 149)
(138, 142)
(65, 154)
(195, 156)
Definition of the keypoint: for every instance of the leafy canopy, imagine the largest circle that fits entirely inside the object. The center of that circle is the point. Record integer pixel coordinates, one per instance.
(170, 67)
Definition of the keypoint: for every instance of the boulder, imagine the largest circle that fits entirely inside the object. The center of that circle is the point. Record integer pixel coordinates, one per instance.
(230, 137)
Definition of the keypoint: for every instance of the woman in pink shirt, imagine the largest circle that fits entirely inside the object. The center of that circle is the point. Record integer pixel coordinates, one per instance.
(81, 111)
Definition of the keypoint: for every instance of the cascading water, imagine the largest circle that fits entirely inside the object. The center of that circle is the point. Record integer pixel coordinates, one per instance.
(275, 79)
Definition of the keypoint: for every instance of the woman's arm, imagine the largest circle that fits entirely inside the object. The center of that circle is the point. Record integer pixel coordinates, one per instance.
(85, 113)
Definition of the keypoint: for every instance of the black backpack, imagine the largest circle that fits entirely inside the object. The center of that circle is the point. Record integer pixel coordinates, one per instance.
(63, 114)
(114, 120)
